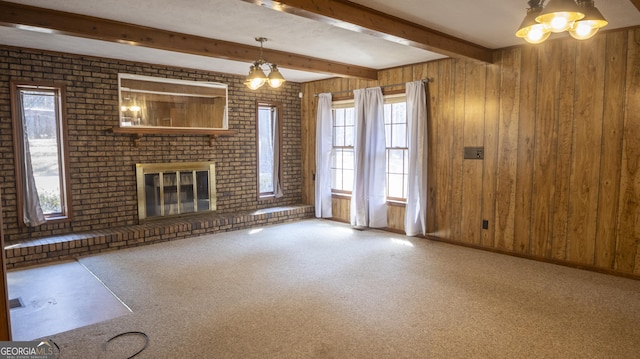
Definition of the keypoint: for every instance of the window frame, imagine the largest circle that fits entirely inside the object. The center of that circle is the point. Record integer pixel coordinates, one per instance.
(266, 196)
(391, 99)
(63, 148)
(388, 98)
(340, 104)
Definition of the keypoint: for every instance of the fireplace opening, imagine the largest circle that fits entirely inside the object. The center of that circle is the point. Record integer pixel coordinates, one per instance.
(169, 189)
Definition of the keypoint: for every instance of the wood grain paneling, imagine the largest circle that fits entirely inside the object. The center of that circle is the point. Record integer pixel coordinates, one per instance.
(443, 136)
(433, 92)
(473, 127)
(395, 218)
(340, 209)
(526, 142)
(546, 137)
(629, 209)
(587, 138)
(507, 149)
(308, 133)
(563, 154)
(491, 131)
(457, 138)
(611, 160)
(559, 123)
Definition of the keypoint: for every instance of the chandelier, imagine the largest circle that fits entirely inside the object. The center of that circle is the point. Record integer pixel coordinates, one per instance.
(257, 77)
(580, 18)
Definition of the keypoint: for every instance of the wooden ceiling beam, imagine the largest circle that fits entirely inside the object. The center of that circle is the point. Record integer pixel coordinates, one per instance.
(355, 17)
(16, 15)
(636, 3)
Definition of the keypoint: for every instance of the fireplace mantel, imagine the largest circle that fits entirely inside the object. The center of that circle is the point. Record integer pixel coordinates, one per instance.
(138, 132)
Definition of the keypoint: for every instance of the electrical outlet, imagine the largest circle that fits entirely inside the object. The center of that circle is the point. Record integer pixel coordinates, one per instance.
(485, 224)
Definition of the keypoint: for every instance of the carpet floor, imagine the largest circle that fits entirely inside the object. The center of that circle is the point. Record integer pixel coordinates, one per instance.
(318, 289)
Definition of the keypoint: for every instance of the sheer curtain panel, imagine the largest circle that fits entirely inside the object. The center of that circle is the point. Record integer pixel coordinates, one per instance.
(324, 145)
(368, 199)
(275, 131)
(416, 207)
(32, 211)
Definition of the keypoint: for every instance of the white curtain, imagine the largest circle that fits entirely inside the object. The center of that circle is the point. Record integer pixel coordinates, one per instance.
(32, 212)
(368, 198)
(275, 131)
(324, 146)
(416, 208)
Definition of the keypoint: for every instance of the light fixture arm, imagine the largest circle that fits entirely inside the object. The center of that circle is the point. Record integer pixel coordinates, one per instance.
(535, 3)
(260, 59)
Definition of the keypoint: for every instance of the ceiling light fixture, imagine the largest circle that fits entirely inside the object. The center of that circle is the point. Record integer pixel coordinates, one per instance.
(257, 77)
(580, 18)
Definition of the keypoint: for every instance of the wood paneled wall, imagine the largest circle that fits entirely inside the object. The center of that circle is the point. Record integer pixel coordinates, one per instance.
(560, 126)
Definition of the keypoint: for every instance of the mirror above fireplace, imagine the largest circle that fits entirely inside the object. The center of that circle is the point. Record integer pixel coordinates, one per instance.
(161, 103)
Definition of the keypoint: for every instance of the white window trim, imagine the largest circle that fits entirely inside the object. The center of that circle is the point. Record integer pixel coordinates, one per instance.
(392, 98)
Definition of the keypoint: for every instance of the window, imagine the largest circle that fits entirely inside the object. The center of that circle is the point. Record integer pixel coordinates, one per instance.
(41, 170)
(269, 150)
(342, 163)
(395, 130)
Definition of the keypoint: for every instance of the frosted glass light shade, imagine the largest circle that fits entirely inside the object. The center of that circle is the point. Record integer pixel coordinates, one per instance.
(558, 15)
(590, 24)
(530, 30)
(275, 77)
(256, 78)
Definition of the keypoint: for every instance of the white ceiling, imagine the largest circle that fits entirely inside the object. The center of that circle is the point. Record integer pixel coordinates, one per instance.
(240, 22)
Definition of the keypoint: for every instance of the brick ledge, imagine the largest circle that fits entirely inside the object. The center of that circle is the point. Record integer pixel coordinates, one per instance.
(73, 245)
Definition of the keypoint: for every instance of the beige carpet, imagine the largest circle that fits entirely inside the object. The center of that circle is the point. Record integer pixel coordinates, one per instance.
(317, 289)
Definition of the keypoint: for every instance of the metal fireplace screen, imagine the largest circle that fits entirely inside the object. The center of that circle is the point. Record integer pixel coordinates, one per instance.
(168, 189)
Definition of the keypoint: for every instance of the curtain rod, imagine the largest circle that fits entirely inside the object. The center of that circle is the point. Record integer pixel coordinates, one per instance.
(384, 86)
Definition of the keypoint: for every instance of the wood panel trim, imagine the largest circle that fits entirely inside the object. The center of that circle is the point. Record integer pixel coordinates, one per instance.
(12, 15)
(355, 17)
(562, 263)
(539, 259)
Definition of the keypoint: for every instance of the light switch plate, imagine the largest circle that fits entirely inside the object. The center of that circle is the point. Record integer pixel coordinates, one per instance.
(474, 153)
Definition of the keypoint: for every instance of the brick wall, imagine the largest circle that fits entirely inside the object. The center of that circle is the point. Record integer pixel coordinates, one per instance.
(102, 163)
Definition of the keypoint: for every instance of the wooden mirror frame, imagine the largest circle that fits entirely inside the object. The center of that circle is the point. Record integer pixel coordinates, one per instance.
(147, 102)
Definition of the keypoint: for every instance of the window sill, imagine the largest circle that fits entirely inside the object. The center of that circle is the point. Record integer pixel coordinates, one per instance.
(390, 202)
(51, 220)
(341, 195)
(57, 218)
(396, 203)
(266, 197)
